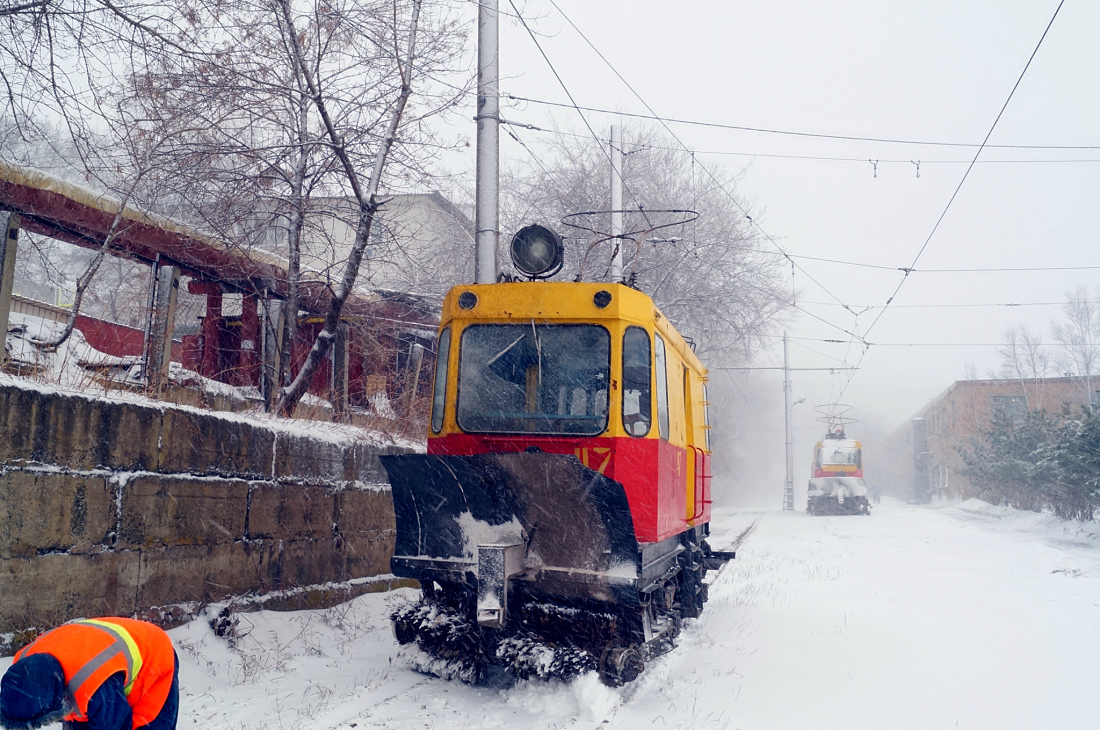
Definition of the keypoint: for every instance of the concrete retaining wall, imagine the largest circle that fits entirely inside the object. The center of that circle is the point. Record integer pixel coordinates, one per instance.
(117, 508)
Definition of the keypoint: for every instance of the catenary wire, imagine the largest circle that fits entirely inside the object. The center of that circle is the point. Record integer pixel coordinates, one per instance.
(780, 250)
(971, 270)
(951, 306)
(703, 167)
(749, 284)
(626, 187)
(653, 116)
(822, 158)
(577, 108)
(951, 200)
(826, 340)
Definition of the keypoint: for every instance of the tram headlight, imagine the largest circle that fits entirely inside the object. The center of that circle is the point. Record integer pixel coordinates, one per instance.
(537, 252)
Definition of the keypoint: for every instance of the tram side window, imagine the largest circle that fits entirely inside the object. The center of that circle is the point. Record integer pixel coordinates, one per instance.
(662, 386)
(439, 389)
(636, 379)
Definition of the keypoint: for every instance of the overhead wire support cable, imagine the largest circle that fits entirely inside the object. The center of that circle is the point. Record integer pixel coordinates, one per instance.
(779, 367)
(833, 341)
(794, 342)
(955, 194)
(576, 107)
(961, 270)
(653, 116)
(834, 158)
(959, 305)
(683, 146)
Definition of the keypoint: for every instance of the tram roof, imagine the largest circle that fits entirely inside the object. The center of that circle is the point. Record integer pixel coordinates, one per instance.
(566, 301)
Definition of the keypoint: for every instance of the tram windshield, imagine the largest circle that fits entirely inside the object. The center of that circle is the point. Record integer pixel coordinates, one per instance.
(529, 378)
(839, 455)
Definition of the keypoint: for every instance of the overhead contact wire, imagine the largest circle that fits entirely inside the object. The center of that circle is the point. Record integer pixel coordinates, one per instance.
(653, 116)
(951, 200)
(576, 107)
(712, 176)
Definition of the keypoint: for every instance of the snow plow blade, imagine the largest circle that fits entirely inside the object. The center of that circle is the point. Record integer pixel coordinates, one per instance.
(573, 524)
(837, 496)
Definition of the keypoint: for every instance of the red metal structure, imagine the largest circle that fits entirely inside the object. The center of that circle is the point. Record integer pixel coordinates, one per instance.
(231, 349)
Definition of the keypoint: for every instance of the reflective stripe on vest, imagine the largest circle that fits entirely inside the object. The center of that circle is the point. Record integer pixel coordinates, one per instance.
(124, 644)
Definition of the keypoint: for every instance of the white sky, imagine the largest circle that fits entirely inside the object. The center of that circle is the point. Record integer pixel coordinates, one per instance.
(926, 71)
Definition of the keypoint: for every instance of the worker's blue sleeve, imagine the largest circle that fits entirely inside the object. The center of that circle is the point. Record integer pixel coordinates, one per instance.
(108, 708)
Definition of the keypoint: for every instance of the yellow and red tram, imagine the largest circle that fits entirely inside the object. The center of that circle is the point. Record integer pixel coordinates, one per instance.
(557, 522)
(589, 369)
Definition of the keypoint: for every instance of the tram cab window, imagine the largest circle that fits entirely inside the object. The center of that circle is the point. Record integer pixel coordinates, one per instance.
(839, 456)
(439, 389)
(662, 386)
(637, 408)
(529, 378)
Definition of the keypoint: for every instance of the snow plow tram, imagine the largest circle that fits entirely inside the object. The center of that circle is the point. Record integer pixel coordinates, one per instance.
(557, 522)
(836, 484)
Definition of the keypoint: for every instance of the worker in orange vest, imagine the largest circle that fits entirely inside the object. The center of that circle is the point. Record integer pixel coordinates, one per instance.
(95, 674)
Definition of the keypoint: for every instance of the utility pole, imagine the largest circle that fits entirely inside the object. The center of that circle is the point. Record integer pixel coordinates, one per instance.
(617, 203)
(788, 484)
(487, 197)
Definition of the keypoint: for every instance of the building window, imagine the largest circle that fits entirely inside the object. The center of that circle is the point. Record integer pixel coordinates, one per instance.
(1014, 406)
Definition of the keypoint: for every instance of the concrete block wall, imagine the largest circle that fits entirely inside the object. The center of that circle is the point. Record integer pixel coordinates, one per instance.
(118, 508)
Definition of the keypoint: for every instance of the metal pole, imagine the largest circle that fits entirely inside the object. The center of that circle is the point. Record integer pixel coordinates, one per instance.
(788, 484)
(487, 202)
(617, 203)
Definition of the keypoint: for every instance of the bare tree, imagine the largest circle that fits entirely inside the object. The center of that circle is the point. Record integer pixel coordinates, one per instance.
(365, 191)
(1024, 358)
(708, 275)
(288, 102)
(60, 64)
(1079, 337)
(305, 107)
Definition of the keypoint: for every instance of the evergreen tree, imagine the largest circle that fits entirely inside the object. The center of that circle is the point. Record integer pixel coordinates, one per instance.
(1039, 462)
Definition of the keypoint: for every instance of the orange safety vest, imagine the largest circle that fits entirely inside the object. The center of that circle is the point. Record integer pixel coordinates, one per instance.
(92, 650)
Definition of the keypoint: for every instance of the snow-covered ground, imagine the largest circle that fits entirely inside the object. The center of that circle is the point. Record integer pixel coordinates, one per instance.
(961, 615)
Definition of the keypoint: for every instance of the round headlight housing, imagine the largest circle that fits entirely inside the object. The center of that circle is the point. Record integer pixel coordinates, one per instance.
(467, 300)
(537, 252)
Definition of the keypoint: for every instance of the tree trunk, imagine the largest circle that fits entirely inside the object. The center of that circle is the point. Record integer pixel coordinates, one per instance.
(367, 199)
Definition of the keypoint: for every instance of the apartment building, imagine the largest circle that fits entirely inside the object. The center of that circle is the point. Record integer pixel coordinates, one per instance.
(922, 458)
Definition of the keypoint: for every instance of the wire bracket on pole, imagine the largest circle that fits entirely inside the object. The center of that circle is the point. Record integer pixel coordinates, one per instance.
(590, 221)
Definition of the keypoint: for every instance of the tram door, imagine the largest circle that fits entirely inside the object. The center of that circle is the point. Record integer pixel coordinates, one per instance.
(693, 454)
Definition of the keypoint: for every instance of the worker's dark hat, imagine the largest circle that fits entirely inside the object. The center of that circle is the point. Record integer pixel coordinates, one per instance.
(32, 693)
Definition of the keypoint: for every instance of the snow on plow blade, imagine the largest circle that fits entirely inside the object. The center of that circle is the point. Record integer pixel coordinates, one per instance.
(838, 487)
(573, 524)
(837, 496)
